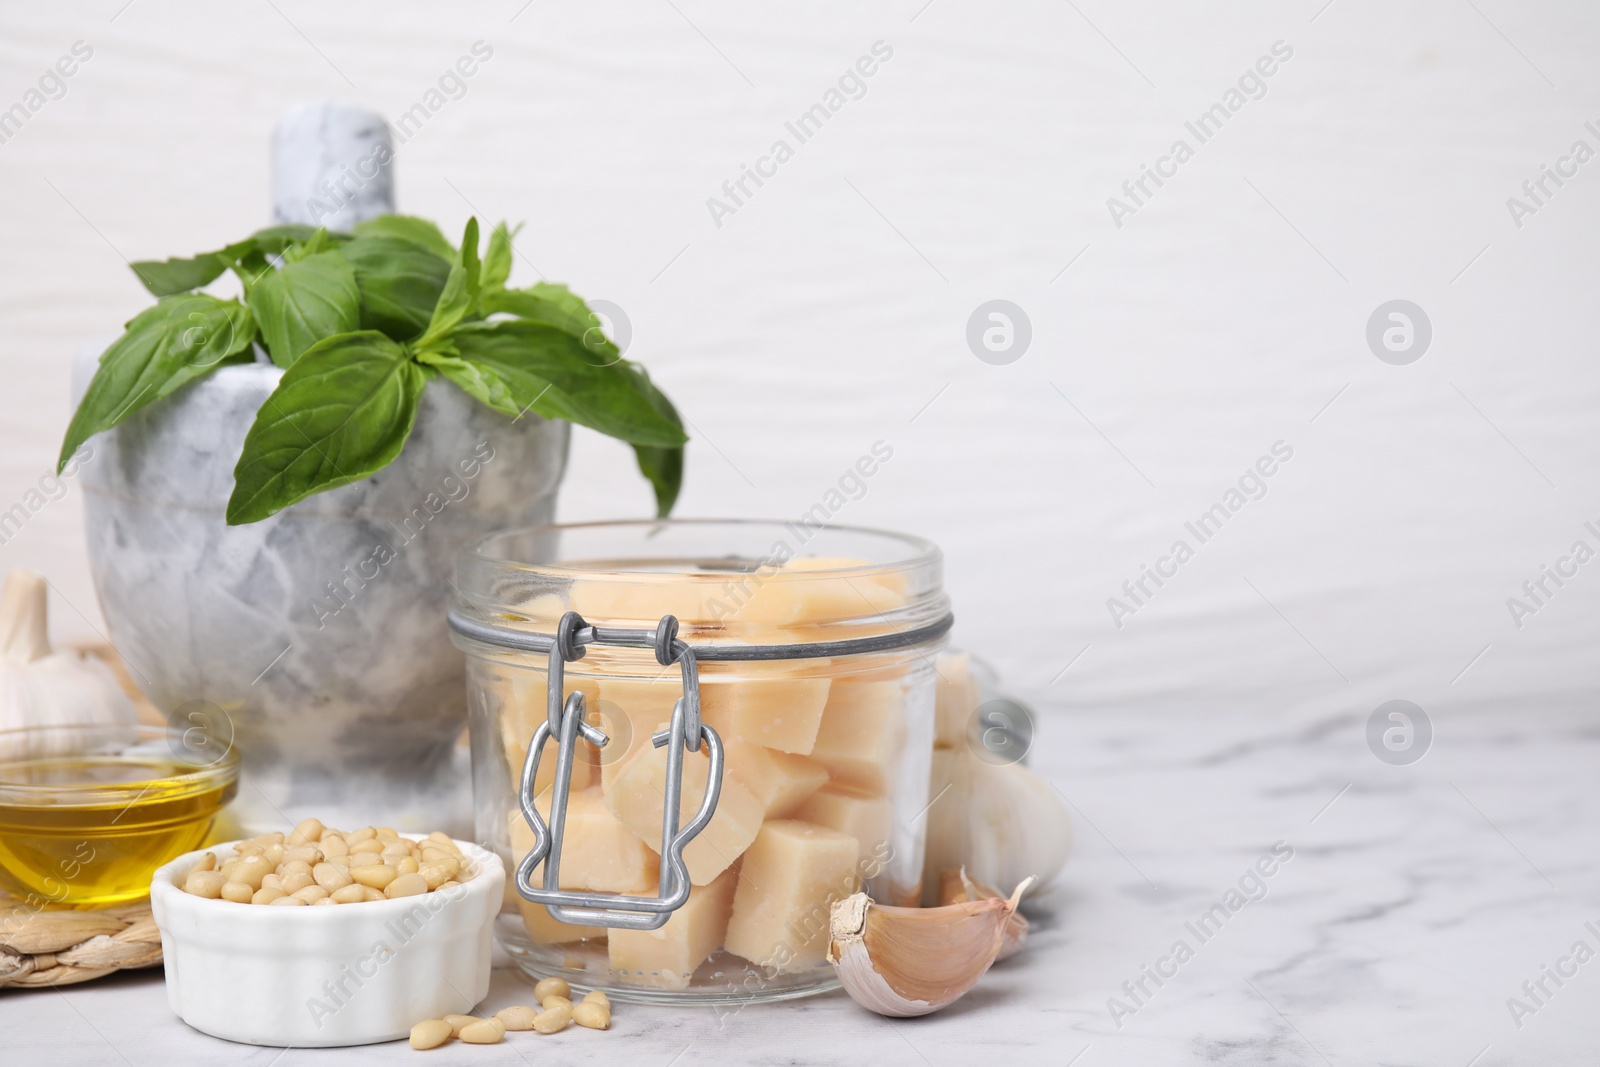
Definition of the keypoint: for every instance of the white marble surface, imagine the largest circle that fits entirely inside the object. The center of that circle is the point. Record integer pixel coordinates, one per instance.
(1417, 901)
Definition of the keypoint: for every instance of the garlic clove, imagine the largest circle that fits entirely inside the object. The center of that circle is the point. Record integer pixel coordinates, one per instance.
(902, 962)
(956, 888)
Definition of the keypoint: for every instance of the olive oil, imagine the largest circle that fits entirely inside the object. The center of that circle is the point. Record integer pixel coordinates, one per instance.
(87, 830)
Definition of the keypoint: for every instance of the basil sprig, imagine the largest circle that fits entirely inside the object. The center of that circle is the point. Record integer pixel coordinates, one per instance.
(359, 322)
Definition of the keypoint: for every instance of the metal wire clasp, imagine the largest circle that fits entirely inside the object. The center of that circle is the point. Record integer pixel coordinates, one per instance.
(565, 722)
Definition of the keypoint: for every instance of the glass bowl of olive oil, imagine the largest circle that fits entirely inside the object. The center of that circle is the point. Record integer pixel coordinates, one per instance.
(87, 813)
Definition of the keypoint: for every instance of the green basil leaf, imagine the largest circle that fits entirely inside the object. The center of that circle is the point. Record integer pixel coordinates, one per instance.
(460, 295)
(477, 380)
(554, 305)
(408, 228)
(274, 240)
(341, 412)
(161, 348)
(169, 277)
(662, 467)
(317, 242)
(302, 303)
(497, 260)
(550, 372)
(399, 282)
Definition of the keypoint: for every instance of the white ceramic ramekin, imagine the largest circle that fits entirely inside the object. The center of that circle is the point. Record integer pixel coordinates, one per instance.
(351, 974)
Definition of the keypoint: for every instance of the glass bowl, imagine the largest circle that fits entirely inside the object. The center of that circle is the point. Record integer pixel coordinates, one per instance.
(88, 812)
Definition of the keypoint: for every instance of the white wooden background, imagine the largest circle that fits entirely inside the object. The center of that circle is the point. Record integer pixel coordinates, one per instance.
(829, 312)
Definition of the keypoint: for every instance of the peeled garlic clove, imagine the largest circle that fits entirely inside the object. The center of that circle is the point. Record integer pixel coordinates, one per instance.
(956, 888)
(901, 962)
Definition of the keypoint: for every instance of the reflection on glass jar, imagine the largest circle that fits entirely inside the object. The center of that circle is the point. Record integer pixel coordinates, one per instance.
(827, 757)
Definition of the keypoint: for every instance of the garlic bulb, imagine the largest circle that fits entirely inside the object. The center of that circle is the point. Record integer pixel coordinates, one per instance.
(39, 687)
(901, 962)
(1002, 823)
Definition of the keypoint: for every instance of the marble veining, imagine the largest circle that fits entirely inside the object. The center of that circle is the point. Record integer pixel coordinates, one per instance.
(1417, 902)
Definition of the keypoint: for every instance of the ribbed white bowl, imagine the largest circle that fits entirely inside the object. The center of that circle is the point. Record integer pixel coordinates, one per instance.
(351, 974)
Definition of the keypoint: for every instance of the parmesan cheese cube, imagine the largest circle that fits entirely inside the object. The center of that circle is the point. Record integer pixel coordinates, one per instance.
(597, 851)
(642, 597)
(789, 880)
(637, 796)
(630, 710)
(667, 957)
(862, 732)
(811, 590)
(546, 930)
(956, 698)
(865, 818)
(769, 706)
(778, 779)
(525, 710)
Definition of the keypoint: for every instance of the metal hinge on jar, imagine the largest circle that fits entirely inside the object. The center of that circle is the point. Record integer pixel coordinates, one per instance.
(565, 722)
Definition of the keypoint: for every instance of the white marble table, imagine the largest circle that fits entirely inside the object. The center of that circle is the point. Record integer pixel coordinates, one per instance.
(1417, 901)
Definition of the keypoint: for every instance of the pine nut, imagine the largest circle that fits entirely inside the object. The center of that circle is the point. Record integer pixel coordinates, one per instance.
(310, 894)
(457, 1021)
(250, 871)
(350, 894)
(551, 1001)
(431, 1033)
(377, 875)
(295, 881)
(267, 896)
(517, 1017)
(407, 865)
(552, 987)
(273, 854)
(333, 846)
(296, 901)
(406, 885)
(205, 883)
(598, 996)
(271, 881)
(593, 1015)
(308, 830)
(364, 834)
(483, 1032)
(310, 855)
(238, 892)
(330, 877)
(553, 1020)
(208, 862)
(434, 875)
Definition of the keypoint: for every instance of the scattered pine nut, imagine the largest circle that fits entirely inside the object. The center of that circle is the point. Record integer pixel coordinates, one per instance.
(553, 1020)
(517, 1017)
(594, 1015)
(552, 987)
(431, 1033)
(483, 1032)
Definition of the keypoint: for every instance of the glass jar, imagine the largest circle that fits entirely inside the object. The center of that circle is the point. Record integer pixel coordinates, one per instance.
(825, 757)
